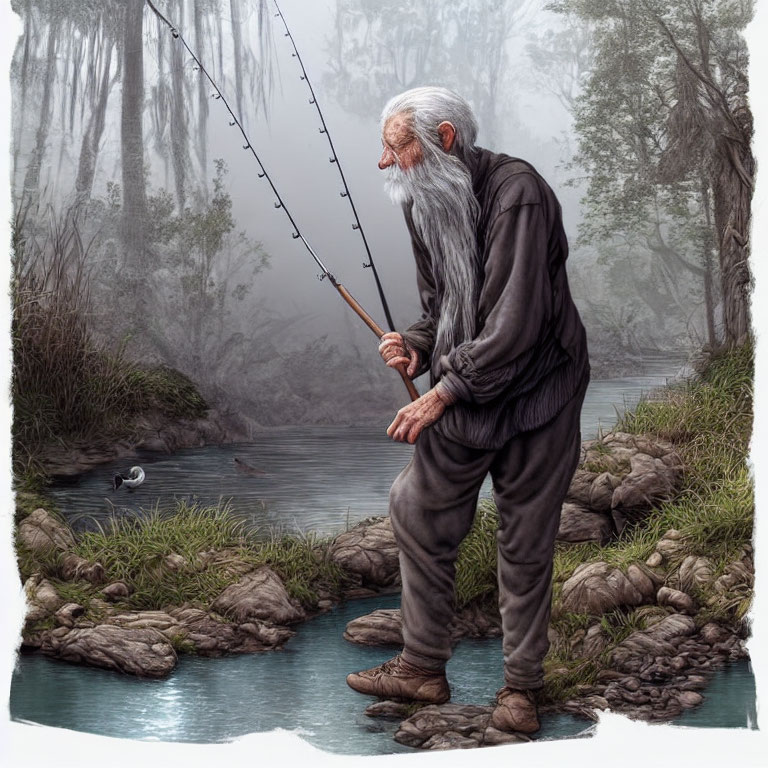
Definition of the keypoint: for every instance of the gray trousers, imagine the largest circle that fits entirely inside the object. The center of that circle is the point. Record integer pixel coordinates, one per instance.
(432, 506)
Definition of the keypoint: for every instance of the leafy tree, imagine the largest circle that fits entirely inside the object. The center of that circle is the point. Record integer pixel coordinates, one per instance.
(664, 136)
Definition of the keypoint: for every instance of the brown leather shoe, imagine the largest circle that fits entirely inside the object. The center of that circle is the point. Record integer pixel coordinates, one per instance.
(515, 711)
(397, 679)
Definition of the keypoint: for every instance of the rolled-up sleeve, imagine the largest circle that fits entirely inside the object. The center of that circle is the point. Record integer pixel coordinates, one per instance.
(516, 303)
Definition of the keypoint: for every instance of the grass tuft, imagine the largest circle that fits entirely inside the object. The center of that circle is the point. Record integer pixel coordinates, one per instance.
(134, 550)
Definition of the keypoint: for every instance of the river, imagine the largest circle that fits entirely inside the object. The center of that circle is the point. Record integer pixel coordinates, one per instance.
(321, 479)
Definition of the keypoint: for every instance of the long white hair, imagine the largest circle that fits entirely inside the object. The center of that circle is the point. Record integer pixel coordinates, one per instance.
(444, 207)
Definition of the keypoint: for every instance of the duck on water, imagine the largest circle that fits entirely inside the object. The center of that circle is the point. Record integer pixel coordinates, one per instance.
(132, 480)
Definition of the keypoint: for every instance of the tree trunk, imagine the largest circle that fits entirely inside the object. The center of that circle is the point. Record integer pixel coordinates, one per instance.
(706, 253)
(89, 149)
(132, 139)
(237, 39)
(734, 171)
(32, 176)
(18, 115)
(201, 140)
(179, 132)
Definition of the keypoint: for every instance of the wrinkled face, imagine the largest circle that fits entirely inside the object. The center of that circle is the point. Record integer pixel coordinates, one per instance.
(401, 147)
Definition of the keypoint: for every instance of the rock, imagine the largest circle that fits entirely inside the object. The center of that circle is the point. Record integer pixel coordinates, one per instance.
(579, 524)
(694, 683)
(258, 595)
(209, 636)
(694, 572)
(461, 719)
(645, 581)
(625, 476)
(670, 544)
(649, 615)
(601, 492)
(493, 736)
(72, 567)
(580, 488)
(655, 560)
(42, 533)
(397, 709)
(116, 591)
(675, 599)
(689, 699)
(597, 702)
(712, 633)
(596, 588)
(629, 655)
(67, 614)
(738, 574)
(42, 594)
(142, 652)
(370, 551)
(382, 627)
(631, 683)
(650, 482)
(174, 562)
(450, 740)
(676, 625)
(158, 620)
(595, 641)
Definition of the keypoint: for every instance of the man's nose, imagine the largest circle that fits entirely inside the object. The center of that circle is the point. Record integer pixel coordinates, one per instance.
(387, 159)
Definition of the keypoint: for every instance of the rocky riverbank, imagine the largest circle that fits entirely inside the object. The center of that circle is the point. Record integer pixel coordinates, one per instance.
(641, 637)
(153, 431)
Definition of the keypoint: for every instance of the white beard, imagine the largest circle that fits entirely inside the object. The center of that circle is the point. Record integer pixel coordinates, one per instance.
(445, 213)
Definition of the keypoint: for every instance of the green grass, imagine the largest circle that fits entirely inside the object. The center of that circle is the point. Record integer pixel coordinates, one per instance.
(133, 550)
(476, 563)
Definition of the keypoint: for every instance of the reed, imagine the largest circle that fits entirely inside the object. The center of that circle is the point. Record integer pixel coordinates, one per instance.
(67, 387)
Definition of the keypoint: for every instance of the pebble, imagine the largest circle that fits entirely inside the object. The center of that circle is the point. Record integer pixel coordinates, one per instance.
(654, 560)
(631, 683)
(690, 699)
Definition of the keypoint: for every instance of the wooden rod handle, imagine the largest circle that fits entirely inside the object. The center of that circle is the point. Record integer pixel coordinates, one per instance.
(371, 323)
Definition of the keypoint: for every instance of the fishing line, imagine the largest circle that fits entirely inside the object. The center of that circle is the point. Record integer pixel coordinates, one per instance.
(263, 174)
(335, 160)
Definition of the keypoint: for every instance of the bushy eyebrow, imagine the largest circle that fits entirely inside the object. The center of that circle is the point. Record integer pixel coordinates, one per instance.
(402, 143)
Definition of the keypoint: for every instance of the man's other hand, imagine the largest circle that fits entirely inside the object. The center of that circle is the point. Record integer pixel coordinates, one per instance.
(418, 415)
(396, 351)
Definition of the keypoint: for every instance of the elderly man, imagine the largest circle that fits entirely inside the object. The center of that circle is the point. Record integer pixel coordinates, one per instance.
(507, 357)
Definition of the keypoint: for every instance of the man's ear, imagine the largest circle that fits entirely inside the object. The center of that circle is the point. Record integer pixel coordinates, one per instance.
(447, 134)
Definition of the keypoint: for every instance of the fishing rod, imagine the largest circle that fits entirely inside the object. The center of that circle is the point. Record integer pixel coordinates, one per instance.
(263, 174)
(334, 158)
